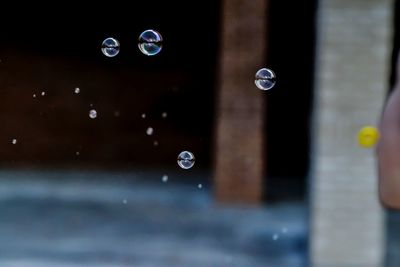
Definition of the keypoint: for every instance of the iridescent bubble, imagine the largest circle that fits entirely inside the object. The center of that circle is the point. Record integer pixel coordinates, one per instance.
(265, 79)
(93, 114)
(150, 42)
(186, 160)
(110, 47)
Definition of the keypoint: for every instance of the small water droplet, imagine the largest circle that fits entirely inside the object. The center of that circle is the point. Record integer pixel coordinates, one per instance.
(150, 42)
(92, 114)
(110, 47)
(143, 115)
(200, 186)
(265, 79)
(34, 95)
(43, 93)
(125, 201)
(164, 115)
(77, 90)
(275, 237)
(149, 131)
(77, 153)
(155, 143)
(14, 141)
(164, 178)
(186, 160)
(284, 230)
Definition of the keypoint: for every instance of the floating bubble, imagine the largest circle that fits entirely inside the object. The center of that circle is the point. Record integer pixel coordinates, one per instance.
(164, 114)
(284, 230)
(265, 79)
(14, 141)
(368, 136)
(155, 143)
(186, 160)
(125, 201)
(43, 93)
(200, 186)
(93, 114)
(143, 115)
(77, 153)
(34, 95)
(77, 90)
(149, 131)
(150, 42)
(110, 47)
(164, 178)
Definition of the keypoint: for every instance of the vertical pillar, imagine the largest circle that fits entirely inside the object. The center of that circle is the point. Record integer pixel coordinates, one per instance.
(353, 55)
(240, 135)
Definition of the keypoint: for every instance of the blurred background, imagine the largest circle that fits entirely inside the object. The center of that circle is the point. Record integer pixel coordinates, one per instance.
(279, 178)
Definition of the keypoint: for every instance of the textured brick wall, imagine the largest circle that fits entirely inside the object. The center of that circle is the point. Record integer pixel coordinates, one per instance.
(354, 47)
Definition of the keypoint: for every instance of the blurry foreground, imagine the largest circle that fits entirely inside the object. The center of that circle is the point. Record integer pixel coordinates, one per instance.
(78, 219)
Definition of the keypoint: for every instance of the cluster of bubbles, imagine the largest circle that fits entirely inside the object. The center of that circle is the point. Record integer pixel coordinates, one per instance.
(149, 43)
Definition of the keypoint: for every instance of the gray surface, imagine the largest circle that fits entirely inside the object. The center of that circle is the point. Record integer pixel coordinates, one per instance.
(393, 239)
(80, 219)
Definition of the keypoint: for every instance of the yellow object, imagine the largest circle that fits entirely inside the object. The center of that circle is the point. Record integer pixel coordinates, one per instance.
(368, 136)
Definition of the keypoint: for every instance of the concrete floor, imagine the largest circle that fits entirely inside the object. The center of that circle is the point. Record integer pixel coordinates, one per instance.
(76, 219)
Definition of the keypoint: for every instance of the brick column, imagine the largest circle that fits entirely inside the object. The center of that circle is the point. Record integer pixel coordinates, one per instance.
(240, 132)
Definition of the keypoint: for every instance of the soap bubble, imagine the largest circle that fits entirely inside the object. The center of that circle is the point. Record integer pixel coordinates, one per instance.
(150, 42)
(186, 160)
(110, 47)
(265, 79)
(93, 114)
